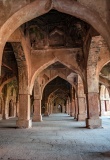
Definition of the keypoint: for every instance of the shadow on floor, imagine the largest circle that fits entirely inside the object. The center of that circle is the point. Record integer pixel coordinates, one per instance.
(8, 127)
(106, 154)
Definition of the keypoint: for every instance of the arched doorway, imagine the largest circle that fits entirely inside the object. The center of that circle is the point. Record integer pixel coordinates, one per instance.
(55, 95)
(104, 78)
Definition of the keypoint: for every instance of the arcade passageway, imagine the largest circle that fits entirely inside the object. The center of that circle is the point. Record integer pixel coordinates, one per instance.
(54, 59)
(58, 137)
(54, 65)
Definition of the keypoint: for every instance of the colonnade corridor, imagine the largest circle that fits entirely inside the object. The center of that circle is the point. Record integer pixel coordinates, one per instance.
(57, 137)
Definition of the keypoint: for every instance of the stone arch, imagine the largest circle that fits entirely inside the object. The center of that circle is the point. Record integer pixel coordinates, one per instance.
(60, 96)
(102, 70)
(106, 93)
(104, 64)
(52, 98)
(30, 11)
(56, 96)
(104, 100)
(6, 82)
(102, 90)
(56, 91)
(104, 57)
(56, 77)
(11, 100)
(45, 66)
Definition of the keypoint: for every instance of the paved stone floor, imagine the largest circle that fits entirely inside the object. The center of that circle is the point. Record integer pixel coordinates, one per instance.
(58, 137)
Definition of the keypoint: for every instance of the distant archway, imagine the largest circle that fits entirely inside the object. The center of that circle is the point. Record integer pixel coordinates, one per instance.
(47, 65)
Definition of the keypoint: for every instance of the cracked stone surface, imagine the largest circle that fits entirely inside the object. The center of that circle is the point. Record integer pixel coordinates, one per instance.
(58, 137)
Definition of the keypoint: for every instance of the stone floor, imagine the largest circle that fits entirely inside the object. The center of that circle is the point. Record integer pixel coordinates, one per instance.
(58, 137)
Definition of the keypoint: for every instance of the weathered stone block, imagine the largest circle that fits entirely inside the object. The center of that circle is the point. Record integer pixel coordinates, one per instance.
(81, 117)
(93, 123)
(37, 118)
(24, 123)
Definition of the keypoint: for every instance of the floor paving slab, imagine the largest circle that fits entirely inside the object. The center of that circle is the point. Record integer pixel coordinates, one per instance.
(57, 137)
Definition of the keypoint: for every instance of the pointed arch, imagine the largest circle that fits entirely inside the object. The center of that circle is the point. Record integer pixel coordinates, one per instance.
(103, 64)
(38, 7)
(47, 65)
(56, 77)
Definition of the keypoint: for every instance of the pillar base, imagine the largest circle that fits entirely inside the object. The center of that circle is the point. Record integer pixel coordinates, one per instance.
(101, 113)
(72, 114)
(24, 123)
(93, 123)
(37, 118)
(46, 114)
(75, 117)
(81, 117)
(5, 116)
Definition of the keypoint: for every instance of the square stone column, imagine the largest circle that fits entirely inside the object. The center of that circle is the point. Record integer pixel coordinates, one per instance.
(6, 109)
(67, 107)
(63, 109)
(93, 120)
(76, 108)
(17, 108)
(51, 108)
(72, 108)
(24, 120)
(37, 111)
(81, 109)
(102, 108)
(46, 110)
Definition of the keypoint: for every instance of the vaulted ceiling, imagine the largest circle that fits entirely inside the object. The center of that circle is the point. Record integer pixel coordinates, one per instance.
(56, 30)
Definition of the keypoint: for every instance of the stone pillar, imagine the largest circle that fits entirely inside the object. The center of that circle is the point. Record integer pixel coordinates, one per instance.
(93, 120)
(81, 101)
(6, 109)
(17, 108)
(92, 84)
(2, 107)
(102, 111)
(46, 110)
(82, 109)
(24, 120)
(14, 107)
(107, 102)
(3, 110)
(102, 99)
(72, 108)
(49, 108)
(63, 109)
(67, 107)
(37, 117)
(76, 108)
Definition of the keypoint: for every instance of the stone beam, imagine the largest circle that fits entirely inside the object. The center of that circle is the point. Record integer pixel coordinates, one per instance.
(104, 81)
